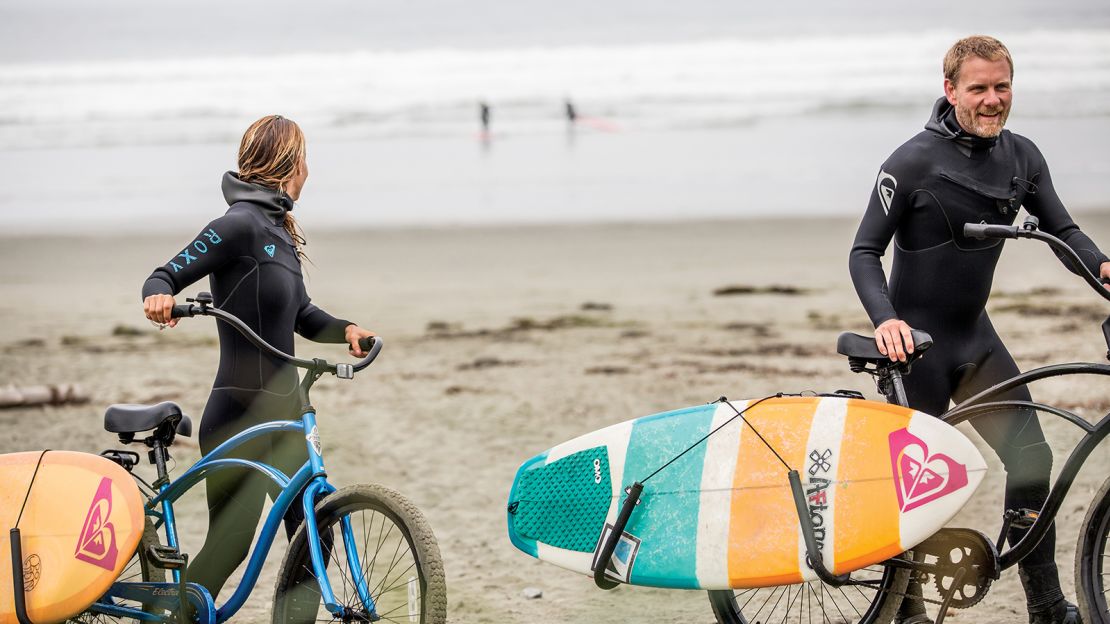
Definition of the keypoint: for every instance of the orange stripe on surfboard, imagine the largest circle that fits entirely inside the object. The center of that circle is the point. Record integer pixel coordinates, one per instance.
(763, 535)
(867, 522)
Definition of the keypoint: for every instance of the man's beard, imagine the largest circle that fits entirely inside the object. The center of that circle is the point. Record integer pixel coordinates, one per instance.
(987, 130)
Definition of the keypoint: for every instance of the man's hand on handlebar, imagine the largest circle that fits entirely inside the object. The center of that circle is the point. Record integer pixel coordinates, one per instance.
(158, 308)
(894, 340)
(353, 334)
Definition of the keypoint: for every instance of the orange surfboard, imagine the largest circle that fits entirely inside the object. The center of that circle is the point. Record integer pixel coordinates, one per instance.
(80, 526)
(878, 479)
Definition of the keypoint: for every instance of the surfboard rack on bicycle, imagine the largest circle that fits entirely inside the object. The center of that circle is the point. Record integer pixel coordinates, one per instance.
(342, 581)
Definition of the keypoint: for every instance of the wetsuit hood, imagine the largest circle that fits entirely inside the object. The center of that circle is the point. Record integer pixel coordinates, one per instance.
(274, 204)
(943, 123)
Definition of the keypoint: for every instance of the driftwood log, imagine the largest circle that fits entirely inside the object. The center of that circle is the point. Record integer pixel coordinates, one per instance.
(53, 394)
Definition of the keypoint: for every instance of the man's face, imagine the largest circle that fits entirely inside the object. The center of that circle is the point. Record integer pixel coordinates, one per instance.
(981, 95)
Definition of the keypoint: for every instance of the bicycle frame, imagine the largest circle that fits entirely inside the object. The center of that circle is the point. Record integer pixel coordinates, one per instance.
(308, 483)
(1095, 434)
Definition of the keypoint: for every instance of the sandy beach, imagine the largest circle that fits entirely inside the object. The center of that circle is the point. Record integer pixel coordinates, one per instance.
(502, 342)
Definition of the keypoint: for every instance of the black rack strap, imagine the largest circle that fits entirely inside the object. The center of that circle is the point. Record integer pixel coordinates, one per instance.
(18, 582)
(740, 415)
(610, 544)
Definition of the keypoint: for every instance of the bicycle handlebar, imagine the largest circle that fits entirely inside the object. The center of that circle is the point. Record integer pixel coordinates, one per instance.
(1029, 230)
(372, 344)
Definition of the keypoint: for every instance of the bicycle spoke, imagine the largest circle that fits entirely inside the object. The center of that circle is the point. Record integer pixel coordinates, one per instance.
(787, 614)
(775, 606)
(752, 593)
(400, 576)
(392, 564)
(342, 569)
(831, 599)
(850, 603)
(373, 561)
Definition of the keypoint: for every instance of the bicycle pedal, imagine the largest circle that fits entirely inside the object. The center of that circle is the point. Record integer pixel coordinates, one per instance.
(1024, 518)
(166, 557)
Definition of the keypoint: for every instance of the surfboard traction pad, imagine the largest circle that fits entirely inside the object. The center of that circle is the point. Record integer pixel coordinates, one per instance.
(554, 508)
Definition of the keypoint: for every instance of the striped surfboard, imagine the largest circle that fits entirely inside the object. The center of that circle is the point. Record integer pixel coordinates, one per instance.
(878, 479)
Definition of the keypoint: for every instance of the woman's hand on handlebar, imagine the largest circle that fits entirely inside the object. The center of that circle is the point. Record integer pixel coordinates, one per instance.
(1104, 274)
(894, 339)
(158, 309)
(353, 334)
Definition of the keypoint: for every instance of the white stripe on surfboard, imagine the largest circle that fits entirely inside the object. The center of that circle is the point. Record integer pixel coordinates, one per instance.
(615, 438)
(822, 461)
(715, 504)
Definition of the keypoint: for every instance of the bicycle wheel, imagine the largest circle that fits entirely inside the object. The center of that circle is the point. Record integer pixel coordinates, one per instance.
(876, 603)
(140, 568)
(397, 552)
(1092, 560)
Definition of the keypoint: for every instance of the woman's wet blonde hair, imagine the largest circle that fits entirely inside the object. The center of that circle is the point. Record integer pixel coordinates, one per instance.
(269, 154)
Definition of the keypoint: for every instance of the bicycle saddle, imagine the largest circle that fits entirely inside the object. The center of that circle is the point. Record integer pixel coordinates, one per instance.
(130, 418)
(864, 347)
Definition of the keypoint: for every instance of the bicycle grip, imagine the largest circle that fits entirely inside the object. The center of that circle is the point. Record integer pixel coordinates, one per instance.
(984, 230)
(364, 343)
(182, 311)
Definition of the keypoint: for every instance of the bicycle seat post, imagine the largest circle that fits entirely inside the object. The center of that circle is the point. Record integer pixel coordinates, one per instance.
(158, 455)
(889, 382)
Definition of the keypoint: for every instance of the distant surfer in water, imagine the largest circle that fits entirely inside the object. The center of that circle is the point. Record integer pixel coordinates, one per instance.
(484, 116)
(964, 168)
(572, 115)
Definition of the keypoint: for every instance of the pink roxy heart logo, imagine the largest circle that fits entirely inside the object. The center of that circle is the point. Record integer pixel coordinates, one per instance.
(97, 543)
(920, 478)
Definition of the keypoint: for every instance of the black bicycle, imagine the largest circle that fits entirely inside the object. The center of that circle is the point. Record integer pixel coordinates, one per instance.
(960, 563)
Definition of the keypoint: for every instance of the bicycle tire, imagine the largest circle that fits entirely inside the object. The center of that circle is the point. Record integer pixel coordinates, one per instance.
(139, 568)
(1092, 560)
(386, 521)
(814, 601)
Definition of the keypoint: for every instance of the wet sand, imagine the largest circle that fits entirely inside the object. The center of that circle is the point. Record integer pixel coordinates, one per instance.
(502, 342)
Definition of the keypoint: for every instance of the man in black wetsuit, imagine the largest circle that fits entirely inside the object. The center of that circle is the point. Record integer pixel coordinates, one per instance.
(964, 168)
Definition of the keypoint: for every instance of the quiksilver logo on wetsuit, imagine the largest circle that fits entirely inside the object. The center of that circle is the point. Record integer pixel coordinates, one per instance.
(885, 187)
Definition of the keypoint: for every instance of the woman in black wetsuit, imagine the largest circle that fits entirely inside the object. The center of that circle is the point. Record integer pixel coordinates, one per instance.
(252, 257)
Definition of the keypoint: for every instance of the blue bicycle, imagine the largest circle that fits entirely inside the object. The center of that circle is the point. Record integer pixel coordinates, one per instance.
(363, 553)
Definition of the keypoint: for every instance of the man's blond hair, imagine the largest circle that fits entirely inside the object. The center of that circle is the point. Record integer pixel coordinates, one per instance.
(982, 46)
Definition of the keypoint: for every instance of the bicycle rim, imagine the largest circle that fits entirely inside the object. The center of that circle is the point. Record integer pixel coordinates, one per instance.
(396, 555)
(815, 601)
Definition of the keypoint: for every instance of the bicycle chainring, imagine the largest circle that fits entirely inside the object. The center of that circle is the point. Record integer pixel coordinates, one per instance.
(953, 549)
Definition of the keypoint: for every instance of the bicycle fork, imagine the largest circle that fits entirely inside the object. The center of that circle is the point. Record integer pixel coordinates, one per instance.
(319, 485)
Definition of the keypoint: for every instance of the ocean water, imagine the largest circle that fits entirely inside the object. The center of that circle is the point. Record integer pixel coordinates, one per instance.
(687, 112)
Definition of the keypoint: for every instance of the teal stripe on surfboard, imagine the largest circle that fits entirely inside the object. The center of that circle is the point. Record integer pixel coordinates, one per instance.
(667, 525)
